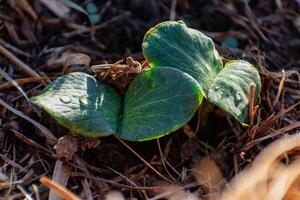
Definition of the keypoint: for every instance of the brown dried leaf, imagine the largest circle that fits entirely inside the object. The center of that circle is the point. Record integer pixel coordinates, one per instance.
(78, 60)
(209, 175)
(66, 147)
(268, 178)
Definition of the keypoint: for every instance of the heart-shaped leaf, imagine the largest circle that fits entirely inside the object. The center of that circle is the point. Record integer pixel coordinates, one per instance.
(82, 104)
(158, 101)
(174, 44)
(230, 90)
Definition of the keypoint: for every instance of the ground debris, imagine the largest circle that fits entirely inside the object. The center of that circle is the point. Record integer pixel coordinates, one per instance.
(66, 147)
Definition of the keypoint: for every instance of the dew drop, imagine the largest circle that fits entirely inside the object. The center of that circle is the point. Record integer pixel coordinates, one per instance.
(65, 99)
(83, 100)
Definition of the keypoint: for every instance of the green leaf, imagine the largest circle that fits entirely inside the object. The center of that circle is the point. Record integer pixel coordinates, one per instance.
(230, 90)
(158, 101)
(82, 104)
(174, 44)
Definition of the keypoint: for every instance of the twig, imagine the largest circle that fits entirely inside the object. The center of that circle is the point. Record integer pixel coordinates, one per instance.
(14, 49)
(7, 85)
(14, 164)
(44, 131)
(120, 185)
(252, 110)
(165, 162)
(272, 135)
(30, 142)
(18, 62)
(144, 161)
(129, 181)
(281, 84)
(61, 191)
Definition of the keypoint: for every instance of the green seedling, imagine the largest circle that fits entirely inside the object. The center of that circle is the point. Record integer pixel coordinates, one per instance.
(185, 67)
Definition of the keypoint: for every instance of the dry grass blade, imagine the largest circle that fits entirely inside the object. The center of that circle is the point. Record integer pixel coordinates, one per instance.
(13, 163)
(267, 178)
(60, 190)
(144, 161)
(27, 196)
(274, 134)
(13, 82)
(44, 131)
(281, 84)
(30, 142)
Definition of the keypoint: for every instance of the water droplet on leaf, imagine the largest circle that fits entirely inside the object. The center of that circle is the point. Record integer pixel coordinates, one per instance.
(65, 99)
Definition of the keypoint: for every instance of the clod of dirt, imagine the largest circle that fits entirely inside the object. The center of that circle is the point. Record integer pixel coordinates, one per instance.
(66, 147)
(78, 60)
(89, 143)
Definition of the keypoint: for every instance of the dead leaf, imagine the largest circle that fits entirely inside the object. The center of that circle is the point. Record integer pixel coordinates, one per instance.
(268, 177)
(209, 175)
(78, 60)
(66, 147)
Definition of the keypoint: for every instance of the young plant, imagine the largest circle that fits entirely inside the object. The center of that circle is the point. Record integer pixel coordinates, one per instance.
(185, 67)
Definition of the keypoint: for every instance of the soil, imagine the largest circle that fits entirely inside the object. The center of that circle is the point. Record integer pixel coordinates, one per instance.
(265, 33)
